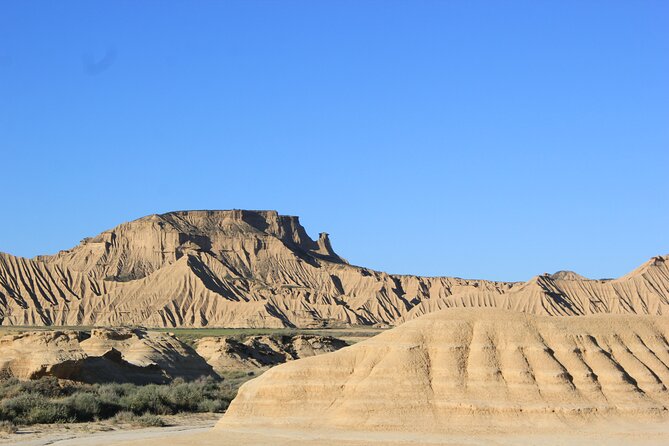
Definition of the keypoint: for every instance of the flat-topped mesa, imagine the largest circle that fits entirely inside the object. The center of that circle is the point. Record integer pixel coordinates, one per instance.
(242, 268)
(135, 249)
(286, 228)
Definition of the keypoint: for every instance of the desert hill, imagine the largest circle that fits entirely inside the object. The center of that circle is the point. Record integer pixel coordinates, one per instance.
(261, 269)
(470, 369)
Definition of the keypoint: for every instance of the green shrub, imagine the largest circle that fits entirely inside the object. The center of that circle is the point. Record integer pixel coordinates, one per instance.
(48, 401)
(149, 420)
(186, 397)
(84, 406)
(212, 406)
(47, 386)
(124, 417)
(48, 412)
(151, 398)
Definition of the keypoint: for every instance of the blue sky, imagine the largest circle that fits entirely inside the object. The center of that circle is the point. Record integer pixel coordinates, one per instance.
(490, 140)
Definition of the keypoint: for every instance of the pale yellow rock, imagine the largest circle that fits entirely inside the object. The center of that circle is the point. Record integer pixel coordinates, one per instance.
(261, 269)
(35, 354)
(464, 377)
(464, 368)
(146, 348)
(118, 355)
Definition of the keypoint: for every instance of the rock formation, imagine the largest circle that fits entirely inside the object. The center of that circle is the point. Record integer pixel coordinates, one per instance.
(228, 354)
(469, 368)
(119, 355)
(261, 269)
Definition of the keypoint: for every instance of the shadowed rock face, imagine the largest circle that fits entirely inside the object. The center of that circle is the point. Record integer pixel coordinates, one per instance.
(227, 354)
(261, 269)
(118, 355)
(470, 367)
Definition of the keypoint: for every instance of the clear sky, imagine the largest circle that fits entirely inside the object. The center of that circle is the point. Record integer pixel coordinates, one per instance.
(490, 140)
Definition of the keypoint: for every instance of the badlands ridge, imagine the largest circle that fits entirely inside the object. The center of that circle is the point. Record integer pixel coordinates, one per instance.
(471, 362)
(465, 377)
(470, 367)
(260, 269)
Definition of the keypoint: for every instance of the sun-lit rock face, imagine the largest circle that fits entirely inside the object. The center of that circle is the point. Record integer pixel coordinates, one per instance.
(105, 355)
(470, 367)
(261, 269)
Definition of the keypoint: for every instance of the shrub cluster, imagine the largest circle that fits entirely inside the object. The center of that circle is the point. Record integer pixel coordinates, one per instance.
(49, 401)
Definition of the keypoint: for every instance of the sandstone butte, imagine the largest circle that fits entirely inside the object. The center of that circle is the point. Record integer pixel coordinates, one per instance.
(241, 268)
(447, 369)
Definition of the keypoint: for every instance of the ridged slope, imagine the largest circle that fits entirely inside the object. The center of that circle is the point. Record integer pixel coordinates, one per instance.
(643, 291)
(470, 367)
(261, 269)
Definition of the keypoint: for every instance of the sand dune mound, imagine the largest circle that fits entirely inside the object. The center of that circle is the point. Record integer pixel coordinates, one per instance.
(120, 355)
(261, 269)
(463, 367)
(227, 354)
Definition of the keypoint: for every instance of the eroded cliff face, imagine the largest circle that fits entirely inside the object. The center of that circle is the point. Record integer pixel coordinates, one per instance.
(228, 354)
(104, 355)
(261, 269)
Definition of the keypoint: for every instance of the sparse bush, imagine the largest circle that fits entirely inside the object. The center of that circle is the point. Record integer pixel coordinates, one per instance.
(47, 386)
(48, 412)
(48, 401)
(149, 420)
(212, 406)
(150, 398)
(84, 406)
(33, 408)
(124, 417)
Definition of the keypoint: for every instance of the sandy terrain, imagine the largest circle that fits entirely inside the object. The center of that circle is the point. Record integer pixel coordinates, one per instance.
(610, 434)
(105, 432)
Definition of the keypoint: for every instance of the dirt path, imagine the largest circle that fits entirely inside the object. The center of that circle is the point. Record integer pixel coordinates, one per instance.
(104, 432)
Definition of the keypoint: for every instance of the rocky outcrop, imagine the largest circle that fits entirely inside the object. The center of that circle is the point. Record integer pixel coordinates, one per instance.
(567, 275)
(469, 368)
(149, 349)
(32, 355)
(228, 354)
(261, 269)
(105, 355)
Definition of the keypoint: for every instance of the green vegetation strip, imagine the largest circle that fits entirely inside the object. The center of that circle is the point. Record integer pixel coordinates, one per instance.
(189, 335)
(47, 400)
